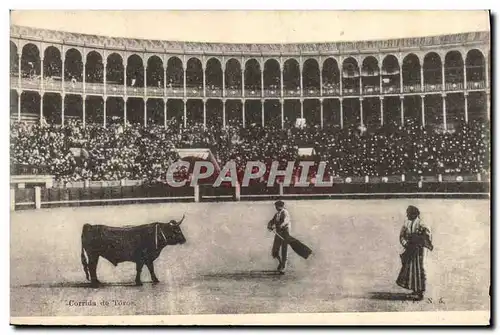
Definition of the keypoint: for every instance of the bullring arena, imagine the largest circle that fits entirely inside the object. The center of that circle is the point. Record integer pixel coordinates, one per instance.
(225, 265)
(96, 121)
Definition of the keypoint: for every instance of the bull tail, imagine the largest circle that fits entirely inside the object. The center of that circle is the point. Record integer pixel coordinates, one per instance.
(83, 254)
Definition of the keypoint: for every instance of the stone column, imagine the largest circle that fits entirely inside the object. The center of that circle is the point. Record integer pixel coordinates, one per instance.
(488, 104)
(422, 82)
(62, 108)
(105, 74)
(282, 113)
(42, 93)
(444, 111)
(402, 107)
(185, 111)
(466, 107)
(145, 99)
(223, 78)
(165, 101)
(361, 111)
(243, 81)
(145, 80)
(203, 69)
(105, 98)
(486, 72)
(165, 81)
(224, 113)
(84, 99)
(184, 79)
(301, 78)
(125, 80)
(19, 56)
(262, 105)
(42, 84)
(19, 93)
(281, 78)
(341, 80)
(465, 76)
(321, 85)
(301, 108)
(204, 101)
(243, 112)
(262, 85)
(321, 111)
(62, 71)
(84, 77)
(381, 110)
(423, 109)
(41, 106)
(125, 99)
(341, 104)
(443, 78)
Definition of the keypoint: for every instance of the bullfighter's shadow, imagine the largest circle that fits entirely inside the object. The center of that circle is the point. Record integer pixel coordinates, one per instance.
(392, 296)
(243, 275)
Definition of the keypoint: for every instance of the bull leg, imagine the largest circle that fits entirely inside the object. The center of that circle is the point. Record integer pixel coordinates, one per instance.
(138, 267)
(151, 269)
(93, 259)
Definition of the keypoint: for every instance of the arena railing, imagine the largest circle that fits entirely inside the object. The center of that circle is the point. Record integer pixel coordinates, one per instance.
(97, 88)
(31, 83)
(371, 90)
(272, 92)
(213, 92)
(331, 91)
(14, 81)
(390, 89)
(351, 91)
(433, 87)
(476, 85)
(253, 92)
(311, 91)
(73, 87)
(416, 88)
(126, 192)
(457, 86)
(287, 92)
(231, 92)
(194, 92)
(155, 91)
(175, 91)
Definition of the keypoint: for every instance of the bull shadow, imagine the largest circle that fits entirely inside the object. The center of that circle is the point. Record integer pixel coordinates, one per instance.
(391, 296)
(84, 285)
(242, 275)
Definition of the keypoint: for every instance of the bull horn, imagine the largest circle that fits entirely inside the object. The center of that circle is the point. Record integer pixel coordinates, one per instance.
(174, 223)
(183, 216)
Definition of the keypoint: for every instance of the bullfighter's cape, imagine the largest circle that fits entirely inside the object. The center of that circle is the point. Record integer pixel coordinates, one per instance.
(300, 248)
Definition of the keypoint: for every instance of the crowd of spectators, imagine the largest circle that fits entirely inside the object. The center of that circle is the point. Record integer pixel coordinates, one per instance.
(74, 152)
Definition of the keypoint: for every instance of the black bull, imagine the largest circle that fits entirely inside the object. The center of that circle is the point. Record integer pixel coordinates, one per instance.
(139, 244)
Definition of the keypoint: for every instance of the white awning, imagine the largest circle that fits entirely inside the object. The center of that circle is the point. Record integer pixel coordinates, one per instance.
(199, 154)
(306, 151)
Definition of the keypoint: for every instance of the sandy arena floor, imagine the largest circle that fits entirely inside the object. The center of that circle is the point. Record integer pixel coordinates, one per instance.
(225, 266)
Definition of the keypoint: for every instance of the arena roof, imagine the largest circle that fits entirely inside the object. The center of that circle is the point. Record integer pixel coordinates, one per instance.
(147, 45)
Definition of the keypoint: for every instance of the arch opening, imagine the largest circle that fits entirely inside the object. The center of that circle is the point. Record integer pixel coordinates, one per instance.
(253, 85)
(331, 77)
(350, 77)
(233, 77)
(370, 75)
(155, 73)
(135, 72)
(391, 75)
(411, 73)
(311, 78)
